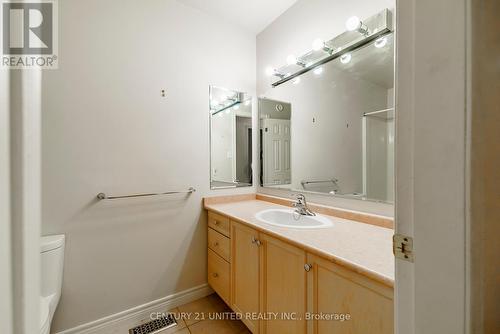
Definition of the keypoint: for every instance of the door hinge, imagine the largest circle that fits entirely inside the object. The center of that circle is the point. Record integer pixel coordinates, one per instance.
(402, 247)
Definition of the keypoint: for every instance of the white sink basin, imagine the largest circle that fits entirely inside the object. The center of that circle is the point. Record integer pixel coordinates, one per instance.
(288, 218)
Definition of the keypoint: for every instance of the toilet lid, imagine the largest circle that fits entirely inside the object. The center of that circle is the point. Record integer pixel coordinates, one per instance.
(44, 311)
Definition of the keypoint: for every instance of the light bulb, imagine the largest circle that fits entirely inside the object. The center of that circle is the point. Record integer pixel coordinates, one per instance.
(291, 60)
(236, 107)
(353, 23)
(269, 71)
(318, 44)
(215, 102)
(318, 70)
(296, 80)
(228, 111)
(380, 42)
(247, 102)
(345, 58)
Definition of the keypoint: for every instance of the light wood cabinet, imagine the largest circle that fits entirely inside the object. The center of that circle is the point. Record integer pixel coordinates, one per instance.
(219, 275)
(218, 223)
(220, 244)
(283, 285)
(258, 274)
(336, 291)
(219, 256)
(245, 273)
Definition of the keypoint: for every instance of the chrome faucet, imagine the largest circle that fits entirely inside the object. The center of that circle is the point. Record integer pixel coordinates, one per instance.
(301, 206)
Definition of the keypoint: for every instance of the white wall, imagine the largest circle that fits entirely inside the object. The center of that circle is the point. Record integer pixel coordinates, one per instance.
(106, 128)
(293, 33)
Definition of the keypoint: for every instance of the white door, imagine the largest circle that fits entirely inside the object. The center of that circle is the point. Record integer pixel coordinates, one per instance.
(276, 151)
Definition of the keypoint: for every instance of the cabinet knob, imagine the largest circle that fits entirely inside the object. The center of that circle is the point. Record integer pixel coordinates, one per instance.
(256, 241)
(216, 244)
(307, 267)
(215, 275)
(216, 222)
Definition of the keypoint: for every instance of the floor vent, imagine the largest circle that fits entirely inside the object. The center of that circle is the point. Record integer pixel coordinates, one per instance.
(155, 326)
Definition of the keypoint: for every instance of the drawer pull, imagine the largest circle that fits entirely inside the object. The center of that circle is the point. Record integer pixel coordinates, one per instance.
(215, 275)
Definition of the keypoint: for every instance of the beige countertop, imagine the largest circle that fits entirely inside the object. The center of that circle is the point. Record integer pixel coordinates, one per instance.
(361, 247)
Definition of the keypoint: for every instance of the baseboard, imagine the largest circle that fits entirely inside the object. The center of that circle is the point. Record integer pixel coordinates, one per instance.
(135, 314)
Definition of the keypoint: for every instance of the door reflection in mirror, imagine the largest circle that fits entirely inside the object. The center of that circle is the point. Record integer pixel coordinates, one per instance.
(275, 135)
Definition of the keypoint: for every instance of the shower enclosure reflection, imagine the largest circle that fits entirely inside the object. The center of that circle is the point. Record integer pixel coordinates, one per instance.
(230, 138)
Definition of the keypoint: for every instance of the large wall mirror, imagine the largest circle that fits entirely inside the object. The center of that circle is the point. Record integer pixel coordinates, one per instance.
(331, 129)
(230, 138)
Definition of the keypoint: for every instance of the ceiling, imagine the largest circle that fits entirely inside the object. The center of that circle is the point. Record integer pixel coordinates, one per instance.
(252, 15)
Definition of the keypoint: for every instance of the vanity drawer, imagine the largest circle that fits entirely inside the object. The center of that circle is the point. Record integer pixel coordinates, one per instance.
(218, 223)
(218, 275)
(219, 244)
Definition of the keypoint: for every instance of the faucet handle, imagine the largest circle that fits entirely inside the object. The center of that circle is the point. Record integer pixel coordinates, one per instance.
(301, 199)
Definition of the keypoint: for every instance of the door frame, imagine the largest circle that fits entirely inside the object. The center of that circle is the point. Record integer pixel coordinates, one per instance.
(20, 200)
(431, 165)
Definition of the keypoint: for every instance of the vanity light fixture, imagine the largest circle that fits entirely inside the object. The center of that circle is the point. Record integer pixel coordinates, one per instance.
(318, 44)
(292, 60)
(318, 70)
(380, 42)
(270, 71)
(345, 58)
(355, 24)
(371, 28)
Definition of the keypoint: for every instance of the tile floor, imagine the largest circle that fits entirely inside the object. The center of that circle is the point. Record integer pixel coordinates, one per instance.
(194, 318)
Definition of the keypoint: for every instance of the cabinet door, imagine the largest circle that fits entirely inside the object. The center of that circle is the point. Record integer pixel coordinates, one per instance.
(245, 273)
(283, 280)
(333, 289)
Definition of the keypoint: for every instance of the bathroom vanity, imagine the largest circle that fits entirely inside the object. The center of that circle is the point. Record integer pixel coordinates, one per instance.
(336, 279)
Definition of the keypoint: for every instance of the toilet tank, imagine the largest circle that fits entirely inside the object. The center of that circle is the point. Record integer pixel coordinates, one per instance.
(52, 260)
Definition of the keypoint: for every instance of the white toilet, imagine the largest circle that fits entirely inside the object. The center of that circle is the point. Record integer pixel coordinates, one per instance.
(52, 259)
